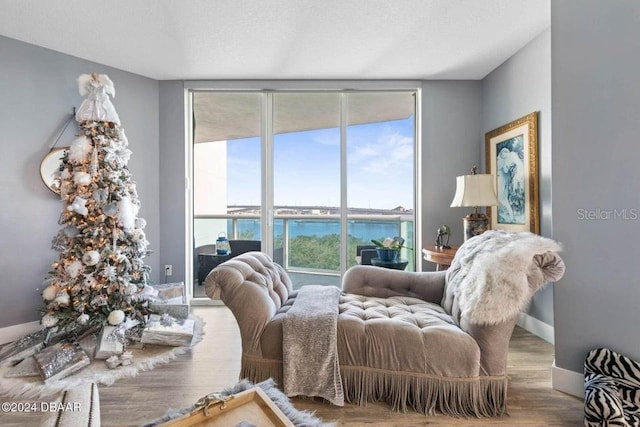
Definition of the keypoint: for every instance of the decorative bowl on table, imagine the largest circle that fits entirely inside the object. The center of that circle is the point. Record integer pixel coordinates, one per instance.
(387, 255)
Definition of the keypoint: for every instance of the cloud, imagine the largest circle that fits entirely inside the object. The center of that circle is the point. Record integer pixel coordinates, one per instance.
(389, 154)
(329, 137)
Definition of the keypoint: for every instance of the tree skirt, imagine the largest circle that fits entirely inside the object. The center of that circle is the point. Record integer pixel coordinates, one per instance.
(144, 359)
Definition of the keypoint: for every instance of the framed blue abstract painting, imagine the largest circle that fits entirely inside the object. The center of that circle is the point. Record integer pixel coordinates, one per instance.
(512, 159)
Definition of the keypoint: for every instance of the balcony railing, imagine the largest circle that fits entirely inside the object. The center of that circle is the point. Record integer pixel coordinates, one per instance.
(310, 244)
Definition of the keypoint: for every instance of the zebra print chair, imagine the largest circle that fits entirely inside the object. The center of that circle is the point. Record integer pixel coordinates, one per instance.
(612, 389)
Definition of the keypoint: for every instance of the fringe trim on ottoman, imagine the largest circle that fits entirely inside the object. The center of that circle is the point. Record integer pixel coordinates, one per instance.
(257, 369)
(427, 394)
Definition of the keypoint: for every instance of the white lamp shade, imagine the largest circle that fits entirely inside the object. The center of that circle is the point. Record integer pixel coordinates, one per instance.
(474, 190)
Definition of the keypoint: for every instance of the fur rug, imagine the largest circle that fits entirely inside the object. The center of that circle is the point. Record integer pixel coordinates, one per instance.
(297, 417)
(97, 372)
(496, 273)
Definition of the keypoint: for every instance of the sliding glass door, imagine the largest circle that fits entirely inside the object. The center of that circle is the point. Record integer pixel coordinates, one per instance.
(380, 154)
(306, 185)
(310, 175)
(226, 175)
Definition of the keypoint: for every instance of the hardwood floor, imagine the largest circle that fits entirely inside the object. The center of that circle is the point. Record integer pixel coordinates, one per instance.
(215, 362)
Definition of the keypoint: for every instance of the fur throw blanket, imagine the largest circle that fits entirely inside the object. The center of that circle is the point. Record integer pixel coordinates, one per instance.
(494, 275)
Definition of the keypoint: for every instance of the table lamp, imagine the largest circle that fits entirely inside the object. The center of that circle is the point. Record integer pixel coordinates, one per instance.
(475, 190)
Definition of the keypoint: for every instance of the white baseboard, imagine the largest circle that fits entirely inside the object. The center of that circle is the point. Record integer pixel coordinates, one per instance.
(537, 327)
(12, 333)
(567, 381)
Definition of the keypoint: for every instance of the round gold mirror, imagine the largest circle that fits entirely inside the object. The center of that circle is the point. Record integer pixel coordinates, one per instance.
(49, 166)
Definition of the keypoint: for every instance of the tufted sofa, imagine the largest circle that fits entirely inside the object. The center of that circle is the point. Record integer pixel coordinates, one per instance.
(405, 338)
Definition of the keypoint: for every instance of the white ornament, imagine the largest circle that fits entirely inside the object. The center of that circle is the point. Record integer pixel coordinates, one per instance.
(91, 257)
(109, 272)
(141, 223)
(80, 149)
(90, 281)
(81, 178)
(49, 294)
(116, 317)
(137, 235)
(74, 268)
(62, 298)
(127, 213)
(124, 155)
(83, 319)
(79, 206)
(49, 321)
(97, 105)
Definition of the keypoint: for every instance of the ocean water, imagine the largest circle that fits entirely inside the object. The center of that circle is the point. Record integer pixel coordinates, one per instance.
(362, 230)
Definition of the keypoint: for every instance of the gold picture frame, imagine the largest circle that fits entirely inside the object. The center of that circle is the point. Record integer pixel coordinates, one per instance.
(512, 159)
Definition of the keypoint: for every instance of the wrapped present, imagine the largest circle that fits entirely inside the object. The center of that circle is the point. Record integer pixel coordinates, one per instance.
(23, 348)
(110, 342)
(134, 337)
(166, 330)
(55, 335)
(174, 309)
(167, 291)
(27, 368)
(61, 360)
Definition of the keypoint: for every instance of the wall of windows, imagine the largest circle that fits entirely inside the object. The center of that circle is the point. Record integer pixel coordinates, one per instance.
(310, 174)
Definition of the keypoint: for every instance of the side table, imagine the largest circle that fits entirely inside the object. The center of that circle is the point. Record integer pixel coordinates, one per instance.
(399, 264)
(207, 262)
(441, 257)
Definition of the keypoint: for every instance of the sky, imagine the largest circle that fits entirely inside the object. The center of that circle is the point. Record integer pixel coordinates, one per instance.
(307, 167)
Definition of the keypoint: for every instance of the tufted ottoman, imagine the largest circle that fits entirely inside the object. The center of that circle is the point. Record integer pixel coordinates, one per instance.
(420, 337)
(413, 340)
(387, 344)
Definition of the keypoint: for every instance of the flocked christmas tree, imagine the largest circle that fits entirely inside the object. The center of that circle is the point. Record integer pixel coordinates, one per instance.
(100, 274)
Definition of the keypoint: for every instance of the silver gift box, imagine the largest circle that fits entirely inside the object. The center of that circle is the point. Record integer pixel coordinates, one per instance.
(23, 348)
(175, 309)
(169, 290)
(108, 343)
(61, 360)
(178, 334)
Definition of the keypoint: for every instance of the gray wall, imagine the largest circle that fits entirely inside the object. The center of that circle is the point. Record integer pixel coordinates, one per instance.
(172, 177)
(519, 86)
(451, 119)
(596, 152)
(38, 90)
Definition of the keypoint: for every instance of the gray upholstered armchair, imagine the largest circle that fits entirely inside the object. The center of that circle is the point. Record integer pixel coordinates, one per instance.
(433, 341)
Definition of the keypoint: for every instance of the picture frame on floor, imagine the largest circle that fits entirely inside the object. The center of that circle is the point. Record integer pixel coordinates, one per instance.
(512, 159)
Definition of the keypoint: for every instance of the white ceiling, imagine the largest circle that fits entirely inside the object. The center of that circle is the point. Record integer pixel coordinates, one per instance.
(282, 39)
